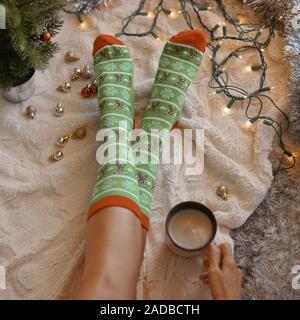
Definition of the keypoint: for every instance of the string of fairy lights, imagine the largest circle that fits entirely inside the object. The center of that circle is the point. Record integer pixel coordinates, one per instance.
(80, 8)
(248, 37)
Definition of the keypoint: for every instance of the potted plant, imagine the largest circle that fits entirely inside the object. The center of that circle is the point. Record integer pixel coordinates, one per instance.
(26, 44)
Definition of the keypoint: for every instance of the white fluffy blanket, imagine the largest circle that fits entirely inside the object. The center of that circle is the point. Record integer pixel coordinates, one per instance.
(43, 205)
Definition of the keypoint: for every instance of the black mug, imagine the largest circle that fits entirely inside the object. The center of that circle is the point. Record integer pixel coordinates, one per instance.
(171, 242)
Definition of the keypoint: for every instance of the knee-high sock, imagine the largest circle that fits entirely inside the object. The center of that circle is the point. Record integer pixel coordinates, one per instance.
(117, 183)
(179, 62)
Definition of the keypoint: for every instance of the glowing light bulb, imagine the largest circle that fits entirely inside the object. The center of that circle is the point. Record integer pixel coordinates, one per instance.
(172, 14)
(248, 69)
(262, 50)
(150, 14)
(226, 110)
(240, 57)
(209, 8)
(290, 159)
(86, 23)
(248, 124)
(82, 23)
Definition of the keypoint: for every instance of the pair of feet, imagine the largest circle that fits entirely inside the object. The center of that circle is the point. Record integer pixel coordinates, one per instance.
(123, 181)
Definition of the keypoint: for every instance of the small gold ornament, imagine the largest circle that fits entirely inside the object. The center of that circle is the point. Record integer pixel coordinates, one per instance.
(87, 72)
(222, 192)
(62, 141)
(80, 133)
(56, 156)
(76, 74)
(30, 112)
(70, 56)
(59, 110)
(66, 87)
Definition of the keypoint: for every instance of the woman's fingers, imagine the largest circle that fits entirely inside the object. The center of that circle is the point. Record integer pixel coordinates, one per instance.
(203, 275)
(240, 273)
(214, 257)
(227, 256)
(205, 263)
(223, 275)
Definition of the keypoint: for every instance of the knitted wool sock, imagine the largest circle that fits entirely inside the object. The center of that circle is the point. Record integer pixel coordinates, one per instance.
(178, 64)
(116, 180)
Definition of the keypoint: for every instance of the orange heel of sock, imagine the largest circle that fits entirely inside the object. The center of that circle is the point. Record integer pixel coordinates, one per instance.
(119, 201)
(105, 40)
(193, 38)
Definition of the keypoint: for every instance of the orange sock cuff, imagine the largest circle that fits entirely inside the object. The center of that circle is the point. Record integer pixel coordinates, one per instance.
(193, 38)
(119, 201)
(105, 40)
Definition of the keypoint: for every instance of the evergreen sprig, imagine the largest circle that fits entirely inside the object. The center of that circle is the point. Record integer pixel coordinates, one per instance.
(21, 47)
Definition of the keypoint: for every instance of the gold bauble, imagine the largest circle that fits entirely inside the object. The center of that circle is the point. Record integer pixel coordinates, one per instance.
(87, 72)
(59, 110)
(76, 74)
(62, 141)
(71, 56)
(30, 112)
(222, 192)
(66, 87)
(56, 156)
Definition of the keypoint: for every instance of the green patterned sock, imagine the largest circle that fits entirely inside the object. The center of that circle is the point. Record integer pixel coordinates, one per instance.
(117, 178)
(178, 64)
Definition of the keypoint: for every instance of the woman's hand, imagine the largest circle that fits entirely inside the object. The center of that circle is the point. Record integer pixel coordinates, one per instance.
(223, 276)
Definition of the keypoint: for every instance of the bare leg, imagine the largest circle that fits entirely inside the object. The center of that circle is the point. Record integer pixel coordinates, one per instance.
(114, 250)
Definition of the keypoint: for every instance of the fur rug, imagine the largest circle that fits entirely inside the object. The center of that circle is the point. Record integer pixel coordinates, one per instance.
(267, 246)
(287, 14)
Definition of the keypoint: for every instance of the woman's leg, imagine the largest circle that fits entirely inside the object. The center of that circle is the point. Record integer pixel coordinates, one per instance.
(114, 249)
(114, 244)
(179, 62)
